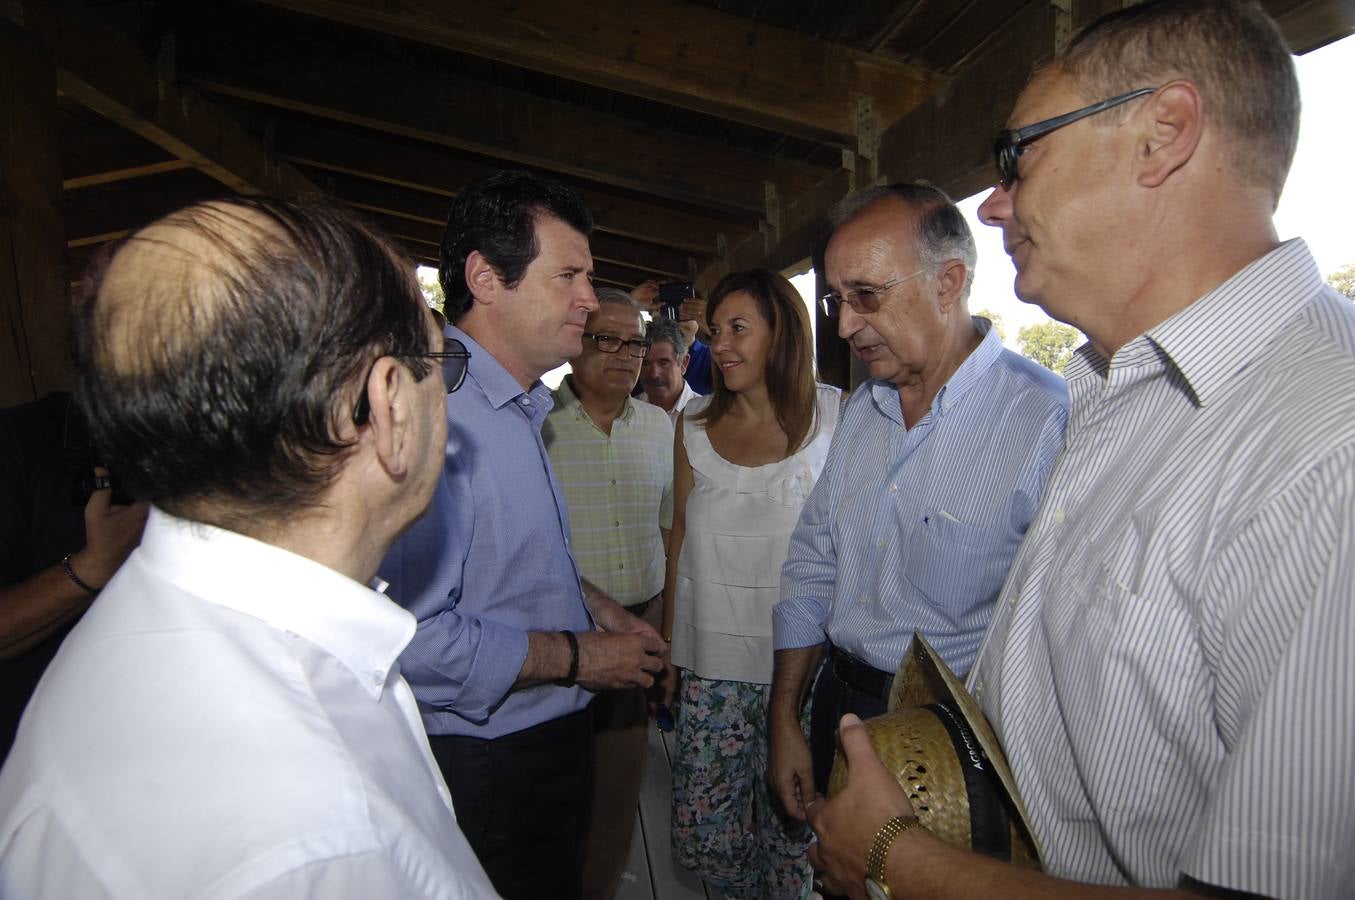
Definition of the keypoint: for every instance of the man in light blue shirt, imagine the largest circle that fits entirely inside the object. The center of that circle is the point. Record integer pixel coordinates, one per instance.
(935, 471)
(506, 654)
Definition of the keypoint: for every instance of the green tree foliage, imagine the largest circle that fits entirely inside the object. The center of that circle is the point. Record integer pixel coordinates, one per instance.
(1343, 279)
(1050, 344)
(996, 320)
(428, 284)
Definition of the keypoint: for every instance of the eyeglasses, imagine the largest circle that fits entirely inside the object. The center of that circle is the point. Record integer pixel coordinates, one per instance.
(610, 343)
(453, 357)
(862, 300)
(1012, 142)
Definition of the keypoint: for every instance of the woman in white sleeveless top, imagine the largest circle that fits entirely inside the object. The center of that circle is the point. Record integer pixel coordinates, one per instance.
(745, 460)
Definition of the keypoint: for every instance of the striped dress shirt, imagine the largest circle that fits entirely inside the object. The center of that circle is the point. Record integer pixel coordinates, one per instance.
(618, 489)
(1172, 665)
(913, 529)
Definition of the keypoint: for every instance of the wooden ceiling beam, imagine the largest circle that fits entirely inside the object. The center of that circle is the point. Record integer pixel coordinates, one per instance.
(424, 167)
(515, 126)
(99, 69)
(98, 178)
(677, 53)
(422, 217)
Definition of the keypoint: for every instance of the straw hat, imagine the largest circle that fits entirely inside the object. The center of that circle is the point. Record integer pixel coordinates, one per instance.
(937, 743)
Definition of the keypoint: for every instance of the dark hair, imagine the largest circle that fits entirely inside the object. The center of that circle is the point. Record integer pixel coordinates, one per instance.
(216, 362)
(497, 215)
(1231, 50)
(789, 375)
(942, 232)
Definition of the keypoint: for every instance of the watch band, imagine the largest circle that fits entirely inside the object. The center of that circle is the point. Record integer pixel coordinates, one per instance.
(879, 848)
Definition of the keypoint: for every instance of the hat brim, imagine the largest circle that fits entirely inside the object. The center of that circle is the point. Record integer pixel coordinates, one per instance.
(923, 678)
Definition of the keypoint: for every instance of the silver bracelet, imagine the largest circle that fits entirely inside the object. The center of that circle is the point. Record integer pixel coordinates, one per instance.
(70, 573)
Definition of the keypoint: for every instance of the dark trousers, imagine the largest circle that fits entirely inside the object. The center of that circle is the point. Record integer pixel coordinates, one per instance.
(833, 699)
(522, 802)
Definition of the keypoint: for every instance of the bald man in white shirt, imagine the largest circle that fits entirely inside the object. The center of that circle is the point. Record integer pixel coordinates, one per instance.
(228, 719)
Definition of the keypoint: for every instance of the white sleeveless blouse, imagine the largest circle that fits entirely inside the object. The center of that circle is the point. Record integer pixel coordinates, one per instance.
(738, 525)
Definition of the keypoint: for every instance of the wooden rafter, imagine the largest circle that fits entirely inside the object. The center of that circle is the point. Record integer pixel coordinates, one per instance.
(672, 52)
(100, 70)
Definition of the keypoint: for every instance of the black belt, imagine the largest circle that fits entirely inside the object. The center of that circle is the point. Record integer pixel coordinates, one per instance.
(859, 675)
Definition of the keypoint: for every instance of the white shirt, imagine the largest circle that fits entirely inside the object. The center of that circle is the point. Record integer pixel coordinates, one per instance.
(228, 720)
(686, 395)
(736, 530)
(1171, 667)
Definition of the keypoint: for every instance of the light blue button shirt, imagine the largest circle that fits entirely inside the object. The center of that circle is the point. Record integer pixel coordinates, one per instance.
(914, 529)
(488, 563)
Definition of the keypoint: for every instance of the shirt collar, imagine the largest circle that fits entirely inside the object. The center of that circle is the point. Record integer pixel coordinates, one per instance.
(351, 622)
(499, 387)
(886, 394)
(1223, 331)
(565, 398)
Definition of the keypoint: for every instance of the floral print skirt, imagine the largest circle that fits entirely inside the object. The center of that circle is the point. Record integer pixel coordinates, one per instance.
(728, 826)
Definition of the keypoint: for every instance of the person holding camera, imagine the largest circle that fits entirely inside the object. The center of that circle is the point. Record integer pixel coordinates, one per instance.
(677, 301)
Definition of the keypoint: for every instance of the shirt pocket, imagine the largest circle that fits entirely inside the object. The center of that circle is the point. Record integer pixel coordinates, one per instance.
(956, 565)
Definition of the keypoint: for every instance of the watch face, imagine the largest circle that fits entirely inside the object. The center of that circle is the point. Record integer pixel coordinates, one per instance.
(875, 890)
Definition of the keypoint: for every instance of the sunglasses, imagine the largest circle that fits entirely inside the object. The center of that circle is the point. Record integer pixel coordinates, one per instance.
(453, 359)
(1012, 142)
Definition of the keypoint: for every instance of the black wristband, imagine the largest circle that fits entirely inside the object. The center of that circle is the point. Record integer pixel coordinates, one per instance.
(573, 675)
(70, 573)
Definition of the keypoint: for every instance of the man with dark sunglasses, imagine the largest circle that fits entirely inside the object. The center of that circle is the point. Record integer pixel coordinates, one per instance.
(1171, 668)
(229, 715)
(510, 649)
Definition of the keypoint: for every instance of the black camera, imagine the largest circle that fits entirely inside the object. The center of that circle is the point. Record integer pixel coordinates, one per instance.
(671, 296)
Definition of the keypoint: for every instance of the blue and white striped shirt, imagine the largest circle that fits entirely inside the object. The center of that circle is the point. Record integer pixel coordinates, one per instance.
(1171, 668)
(913, 529)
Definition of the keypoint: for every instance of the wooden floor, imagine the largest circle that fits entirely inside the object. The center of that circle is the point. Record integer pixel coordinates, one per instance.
(651, 872)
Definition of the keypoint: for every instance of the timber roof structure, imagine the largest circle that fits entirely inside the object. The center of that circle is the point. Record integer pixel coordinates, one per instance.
(706, 135)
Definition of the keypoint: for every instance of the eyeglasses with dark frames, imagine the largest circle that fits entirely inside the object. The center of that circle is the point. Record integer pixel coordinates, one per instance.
(453, 358)
(610, 343)
(862, 300)
(1011, 144)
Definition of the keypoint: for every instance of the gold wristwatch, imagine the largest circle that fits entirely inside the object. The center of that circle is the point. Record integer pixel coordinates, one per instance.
(877, 887)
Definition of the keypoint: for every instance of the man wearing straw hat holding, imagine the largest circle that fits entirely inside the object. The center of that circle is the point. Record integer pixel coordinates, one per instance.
(1171, 668)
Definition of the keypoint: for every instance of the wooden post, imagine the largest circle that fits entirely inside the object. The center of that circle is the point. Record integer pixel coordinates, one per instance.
(33, 358)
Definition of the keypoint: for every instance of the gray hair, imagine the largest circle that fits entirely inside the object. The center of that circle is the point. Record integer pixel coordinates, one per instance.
(617, 296)
(670, 331)
(942, 232)
(1232, 51)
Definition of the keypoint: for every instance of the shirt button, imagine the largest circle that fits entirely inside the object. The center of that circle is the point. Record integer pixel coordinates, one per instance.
(865, 598)
(880, 543)
(893, 489)
(1058, 516)
(621, 567)
(616, 524)
(378, 676)
(613, 481)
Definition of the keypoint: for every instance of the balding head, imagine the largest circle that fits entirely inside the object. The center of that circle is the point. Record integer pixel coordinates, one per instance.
(219, 351)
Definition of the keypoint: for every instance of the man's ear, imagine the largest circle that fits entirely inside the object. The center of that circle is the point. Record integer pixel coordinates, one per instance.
(950, 283)
(686, 361)
(1173, 126)
(481, 278)
(390, 389)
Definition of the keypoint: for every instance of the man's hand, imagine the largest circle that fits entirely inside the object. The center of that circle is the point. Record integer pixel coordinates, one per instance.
(619, 660)
(646, 295)
(612, 616)
(111, 534)
(790, 767)
(846, 825)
